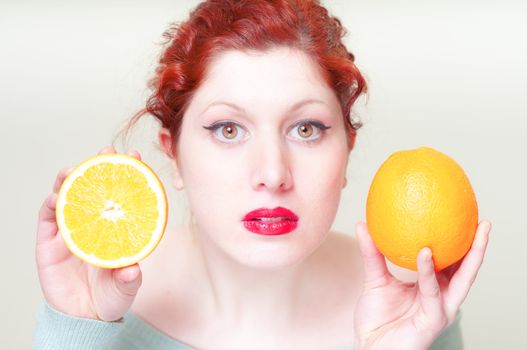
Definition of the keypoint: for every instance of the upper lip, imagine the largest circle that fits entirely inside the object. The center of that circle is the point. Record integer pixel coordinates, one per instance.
(271, 213)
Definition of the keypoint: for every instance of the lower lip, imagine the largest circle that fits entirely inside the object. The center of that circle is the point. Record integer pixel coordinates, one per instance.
(270, 228)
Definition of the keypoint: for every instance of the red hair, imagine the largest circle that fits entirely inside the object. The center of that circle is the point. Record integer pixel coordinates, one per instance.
(218, 25)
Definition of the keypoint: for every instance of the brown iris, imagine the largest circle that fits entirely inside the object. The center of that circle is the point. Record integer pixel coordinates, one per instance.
(229, 131)
(305, 130)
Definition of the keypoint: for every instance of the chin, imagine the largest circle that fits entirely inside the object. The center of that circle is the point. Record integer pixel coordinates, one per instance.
(270, 253)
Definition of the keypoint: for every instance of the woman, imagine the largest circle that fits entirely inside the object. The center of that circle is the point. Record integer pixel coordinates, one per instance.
(254, 99)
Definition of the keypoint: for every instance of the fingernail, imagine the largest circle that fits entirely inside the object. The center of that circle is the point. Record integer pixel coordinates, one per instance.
(428, 254)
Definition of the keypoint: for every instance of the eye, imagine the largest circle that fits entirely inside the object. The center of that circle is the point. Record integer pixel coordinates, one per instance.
(228, 132)
(308, 130)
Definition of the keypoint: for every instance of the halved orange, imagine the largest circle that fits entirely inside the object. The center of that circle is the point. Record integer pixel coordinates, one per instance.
(112, 210)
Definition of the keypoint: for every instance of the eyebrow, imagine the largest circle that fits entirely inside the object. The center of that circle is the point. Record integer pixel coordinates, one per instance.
(294, 107)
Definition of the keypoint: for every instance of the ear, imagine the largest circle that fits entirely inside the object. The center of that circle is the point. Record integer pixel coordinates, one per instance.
(165, 140)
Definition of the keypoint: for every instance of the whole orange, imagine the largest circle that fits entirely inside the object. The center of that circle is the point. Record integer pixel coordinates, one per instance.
(421, 198)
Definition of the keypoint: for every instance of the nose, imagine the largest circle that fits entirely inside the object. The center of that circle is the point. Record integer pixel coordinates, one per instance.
(271, 167)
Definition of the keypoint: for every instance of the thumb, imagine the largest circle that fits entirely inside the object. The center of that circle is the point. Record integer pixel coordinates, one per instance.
(128, 279)
(114, 291)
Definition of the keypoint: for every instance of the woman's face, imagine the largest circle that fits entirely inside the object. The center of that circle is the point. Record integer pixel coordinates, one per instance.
(253, 137)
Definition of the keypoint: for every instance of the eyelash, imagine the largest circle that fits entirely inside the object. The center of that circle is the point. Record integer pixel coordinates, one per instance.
(318, 125)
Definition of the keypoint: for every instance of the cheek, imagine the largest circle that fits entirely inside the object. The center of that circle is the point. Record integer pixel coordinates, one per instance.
(211, 182)
(319, 183)
(322, 174)
(327, 189)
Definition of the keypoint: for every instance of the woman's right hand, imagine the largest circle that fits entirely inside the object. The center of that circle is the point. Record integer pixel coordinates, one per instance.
(69, 284)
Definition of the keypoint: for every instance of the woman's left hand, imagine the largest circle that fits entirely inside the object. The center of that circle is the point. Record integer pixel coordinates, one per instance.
(391, 314)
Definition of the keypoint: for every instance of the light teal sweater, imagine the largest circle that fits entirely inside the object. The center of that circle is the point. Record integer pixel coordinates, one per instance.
(56, 330)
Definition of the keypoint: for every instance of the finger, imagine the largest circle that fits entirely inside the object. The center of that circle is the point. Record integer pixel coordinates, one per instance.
(128, 279)
(62, 175)
(433, 315)
(47, 226)
(375, 269)
(108, 149)
(134, 154)
(465, 276)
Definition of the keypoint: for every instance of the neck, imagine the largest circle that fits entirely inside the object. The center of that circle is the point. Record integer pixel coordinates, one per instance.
(246, 297)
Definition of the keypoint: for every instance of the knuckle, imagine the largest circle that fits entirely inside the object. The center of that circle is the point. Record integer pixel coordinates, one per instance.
(107, 149)
(61, 175)
(47, 206)
(51, 201)
(62, 172)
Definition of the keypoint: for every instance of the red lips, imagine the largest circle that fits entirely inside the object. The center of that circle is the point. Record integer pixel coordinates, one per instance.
(275, 221)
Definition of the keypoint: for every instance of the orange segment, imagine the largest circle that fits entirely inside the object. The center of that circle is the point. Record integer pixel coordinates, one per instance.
(112, 210)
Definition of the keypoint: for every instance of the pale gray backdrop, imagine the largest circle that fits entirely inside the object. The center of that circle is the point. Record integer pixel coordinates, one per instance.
(449, 74)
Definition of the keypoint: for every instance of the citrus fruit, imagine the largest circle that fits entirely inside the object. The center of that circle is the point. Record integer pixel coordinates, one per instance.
(112, 210)
(421, 198)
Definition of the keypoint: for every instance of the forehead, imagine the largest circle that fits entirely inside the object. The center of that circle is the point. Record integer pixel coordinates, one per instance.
(275, 77)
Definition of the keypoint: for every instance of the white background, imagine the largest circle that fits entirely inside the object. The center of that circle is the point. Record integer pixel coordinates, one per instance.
(446, 74)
